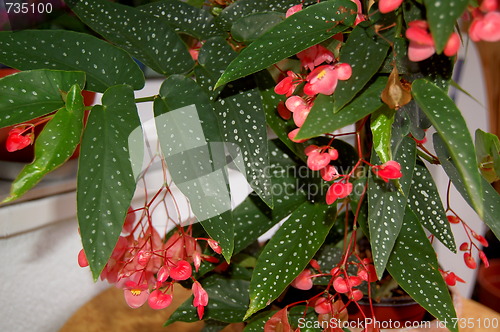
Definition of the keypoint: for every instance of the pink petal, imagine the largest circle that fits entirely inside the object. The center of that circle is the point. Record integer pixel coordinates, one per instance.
(386, 6)
(418, 52)
(135, 297)
(303, 281)
(181, 271)
(490, 30)
(300, 116)
(295, 102)
(293, 10)
(344, 71)
(316, 161)
(293, 133)
(453, 45)
(419, 35)
(158, 300)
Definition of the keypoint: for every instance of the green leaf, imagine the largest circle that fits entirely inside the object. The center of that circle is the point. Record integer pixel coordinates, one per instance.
(450, 125)
(28, 95)
(111, 151)
(425, 202)
(251, 27)
(253, 217)
(298, 32)
(488, 155)
(193, 148)
(491, 203)
(288, 253)
(381, 127)
(104, 64)
(212, 64)
(55, 144)
(386, 205)
(182, 17)
(297, 316)
(365, 51)
(322, 119)
(442, 17)
(242, 8)
(144, 36)
(413, 264)
(243, 125)
(227, 301)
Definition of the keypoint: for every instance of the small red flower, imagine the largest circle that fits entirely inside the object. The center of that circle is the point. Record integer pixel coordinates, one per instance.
(453, 219)
(17, 141)
(322, 80)
(323, 306)
(303, 281)
(470, 261)
(356, 295)
(318, 160)
(181, 271)
(200, 298)
(158, 300)
(464, 246)
(82, 259)
(486, 27)
(388, 170)
(484, 259)
(163, 274)
(314, 56)
(284, 112)
(340, 285)
(215, 246)
(481, 239)
(387, 6)
(338, 190)
(329, 173)
(135, 294)
(293, 133)
(287, 85)
(292, 10)
(451, 278)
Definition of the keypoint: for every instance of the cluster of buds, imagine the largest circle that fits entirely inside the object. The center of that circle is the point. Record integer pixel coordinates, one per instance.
(469, 246)
(485, 24)
(146, 266)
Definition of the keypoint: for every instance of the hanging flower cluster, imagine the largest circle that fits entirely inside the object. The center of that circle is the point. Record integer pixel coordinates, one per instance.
(146, 265)
(485, 25)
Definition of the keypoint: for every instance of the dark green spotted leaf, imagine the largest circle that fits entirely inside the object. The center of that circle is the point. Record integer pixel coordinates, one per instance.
(104, 64)
(182, 17)
(450, 125)
(242, 8)
(27, 95)
(227, 301)
(111, 152)
(381, 127)
(424, 200)
(386, 205)
(298, 32)
(193, 148)
(488, 155)
(55, 144)
(442, 17)
(288, 253)
(322, 119)
(214, 57)
(144, 36)
(491, 203)
(243, 126)
(253, 217)
(365, 51)
(251, 27)
(414, 259)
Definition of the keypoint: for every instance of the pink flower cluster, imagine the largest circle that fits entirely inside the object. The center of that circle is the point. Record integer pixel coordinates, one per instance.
(485, 24)
(146, 266)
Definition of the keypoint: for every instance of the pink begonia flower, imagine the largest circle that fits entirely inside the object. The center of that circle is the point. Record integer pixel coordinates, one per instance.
(135, 294)
(329, 173)
(422, 45)
(17, 141)
(314, 56)
(287, 85)
(181, 271)
(485, 27)
(82, 259)
(318, 160)
(387, 6)
(303, 281)
(489, 5)
(215, 246)
(293, 133)
(158, 300)
(283, 111)
(200, 298)
(322, 80)
(300, 109)
(311, 149)
(338, 190)
(388, 170)
(344, 71)
(292, 10)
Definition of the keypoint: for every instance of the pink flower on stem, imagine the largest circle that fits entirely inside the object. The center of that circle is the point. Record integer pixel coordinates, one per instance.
(135, 294)
(470, 261)
(344, 71)
(322, 80)
(338, 190)
(387, 6)
(314, 56)
(485, 27)
(82, 259)
(489, 5)
(17, 141)
(200, 298)
(292, 10)
(181, 271)
(388, 170)
(215, 246)
(303, 281)
(329, 173)
(360, 17)
(158, 300)
(323, 306)
(422, 45)
(287, 85)
(318, 160)
(300, 109)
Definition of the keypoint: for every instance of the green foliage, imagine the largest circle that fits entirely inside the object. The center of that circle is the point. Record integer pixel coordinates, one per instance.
(67, 50)
(488, 155)
(381, 126)
(110, 152)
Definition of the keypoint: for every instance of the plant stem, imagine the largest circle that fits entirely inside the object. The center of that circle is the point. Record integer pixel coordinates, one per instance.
(146, 99)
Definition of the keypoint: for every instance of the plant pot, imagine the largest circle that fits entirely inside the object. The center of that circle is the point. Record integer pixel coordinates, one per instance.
(403, 309)
(26, 155)
(488, 285)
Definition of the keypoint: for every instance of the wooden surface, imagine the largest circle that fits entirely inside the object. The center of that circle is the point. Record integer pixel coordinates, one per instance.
(109, 312)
